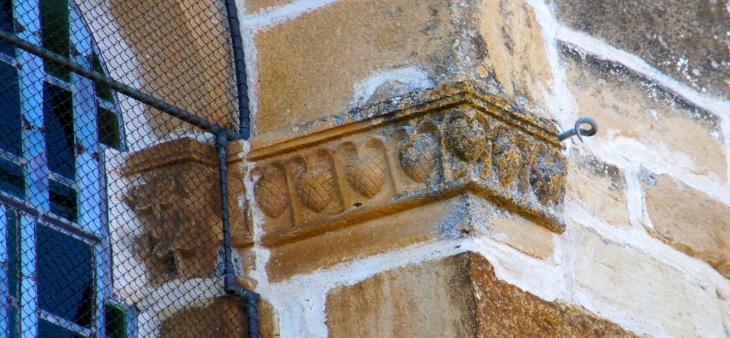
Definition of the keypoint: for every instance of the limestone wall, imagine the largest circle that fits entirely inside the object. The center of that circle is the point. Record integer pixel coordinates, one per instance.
(404, 177)
(646, 201)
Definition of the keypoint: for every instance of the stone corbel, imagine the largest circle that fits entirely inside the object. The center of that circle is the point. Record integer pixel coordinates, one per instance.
(177, 199)
(403, 153)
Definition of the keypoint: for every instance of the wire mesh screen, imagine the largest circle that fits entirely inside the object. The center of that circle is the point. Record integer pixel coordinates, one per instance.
(111, 197)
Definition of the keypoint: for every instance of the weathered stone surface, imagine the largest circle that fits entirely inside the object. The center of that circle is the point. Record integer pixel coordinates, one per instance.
(407, 154)
(361, 52)
(687, 39)
(524, 236)
(599, 188)
(458, 296)
(380, 235)
(689, 220)
(253, 6)
(504, 310)
(268, 320)
(628, 107)
(183, 51)
(433, 299)
(512, 49)
(643, 287)
(222, 318)
(332, 48)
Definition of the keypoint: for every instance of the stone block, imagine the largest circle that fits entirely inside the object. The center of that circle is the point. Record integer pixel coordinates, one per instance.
(176, 197)
(458, 296)
(599, 188)
(389, 170)
(353, 52)
(522, 235)
(219, 317)
(686, 39)
(183, 52)
(646, 289)
(332, 48)
(368, 238)
(433, 299)
(628, 107)
(689, 220)
(223, 317)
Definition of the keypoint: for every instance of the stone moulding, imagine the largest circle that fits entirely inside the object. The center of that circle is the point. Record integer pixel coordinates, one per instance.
(403, 153)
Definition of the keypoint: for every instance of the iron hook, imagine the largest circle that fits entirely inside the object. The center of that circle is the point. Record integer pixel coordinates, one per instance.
(577, 131)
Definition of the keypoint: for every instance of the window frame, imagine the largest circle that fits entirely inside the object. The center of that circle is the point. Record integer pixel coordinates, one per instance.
(34, 209)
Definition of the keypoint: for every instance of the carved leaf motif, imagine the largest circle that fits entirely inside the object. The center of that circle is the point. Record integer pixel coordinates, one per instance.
(418, 157)
(270, 192)
(316, 187)
(366, 174)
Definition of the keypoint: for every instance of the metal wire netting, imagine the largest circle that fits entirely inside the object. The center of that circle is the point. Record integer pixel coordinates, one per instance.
(112, 200)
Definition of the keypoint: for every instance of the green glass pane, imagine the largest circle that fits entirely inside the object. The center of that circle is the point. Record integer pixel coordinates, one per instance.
(115, 319)
(55, 34)
(108, 128)
(102, 91)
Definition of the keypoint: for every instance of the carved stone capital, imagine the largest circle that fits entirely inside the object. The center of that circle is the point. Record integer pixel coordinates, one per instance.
(403, 153)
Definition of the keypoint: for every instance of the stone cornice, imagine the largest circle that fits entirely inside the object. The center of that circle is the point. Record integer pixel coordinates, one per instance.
(403, 153)
(395, 110)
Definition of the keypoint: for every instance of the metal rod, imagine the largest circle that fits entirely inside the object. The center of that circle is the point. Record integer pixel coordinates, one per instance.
(577, 131)
(238, 60)
(220, 144)
(229, 279)
(120, 87)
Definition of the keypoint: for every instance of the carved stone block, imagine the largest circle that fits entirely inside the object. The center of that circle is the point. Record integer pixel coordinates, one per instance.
(409, 151)
(177, 200)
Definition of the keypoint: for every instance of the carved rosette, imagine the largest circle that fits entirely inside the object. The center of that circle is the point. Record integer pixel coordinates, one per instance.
(271, 193)
(467, 138)
(547, 176)
(418, 156)
(366, 173)
(316, 187)
(507, 158)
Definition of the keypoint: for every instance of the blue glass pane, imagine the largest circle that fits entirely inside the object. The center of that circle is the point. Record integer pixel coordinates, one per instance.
(13, 322)
(63, 201)
(65, 276)
(11, 179)
(49, 330)
(59, 125)
(6, 24)
(13, 254)
(10, 132)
